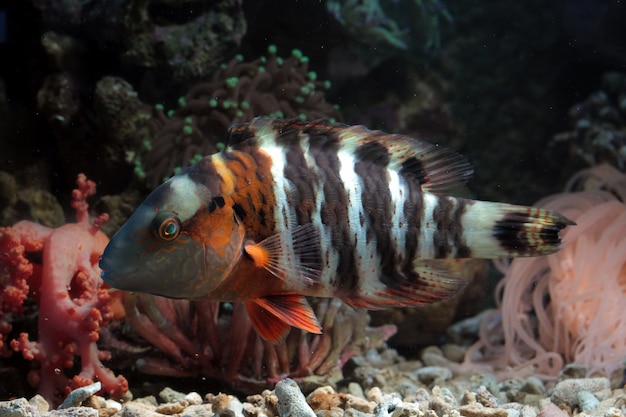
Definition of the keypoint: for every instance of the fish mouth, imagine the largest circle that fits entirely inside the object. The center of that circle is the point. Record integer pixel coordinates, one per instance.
(111, 273)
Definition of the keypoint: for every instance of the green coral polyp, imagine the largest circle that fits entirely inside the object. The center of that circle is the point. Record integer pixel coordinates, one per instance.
(232, 82)
(238, 92)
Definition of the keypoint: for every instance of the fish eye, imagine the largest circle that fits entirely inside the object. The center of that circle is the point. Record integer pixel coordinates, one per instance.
(166, 226)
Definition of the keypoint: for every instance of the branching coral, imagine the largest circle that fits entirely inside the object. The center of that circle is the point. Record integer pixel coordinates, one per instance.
(66, 286)
(238, 92)
(599, 124)
(217, 340)
(367, 21)
(569, 306)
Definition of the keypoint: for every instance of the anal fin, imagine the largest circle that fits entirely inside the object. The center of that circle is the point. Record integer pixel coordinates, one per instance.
(429, 282)
(272, 316)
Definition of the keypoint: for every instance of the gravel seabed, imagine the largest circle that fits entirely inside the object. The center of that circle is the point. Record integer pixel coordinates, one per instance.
(383, 384)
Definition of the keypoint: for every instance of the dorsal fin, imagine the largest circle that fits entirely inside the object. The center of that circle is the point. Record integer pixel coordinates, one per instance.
(435, 168)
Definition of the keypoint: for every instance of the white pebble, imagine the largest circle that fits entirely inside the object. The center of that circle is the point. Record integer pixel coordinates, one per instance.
(15, 408)
(193, 398)
(587, 401)
(291, 401)
(76, 397)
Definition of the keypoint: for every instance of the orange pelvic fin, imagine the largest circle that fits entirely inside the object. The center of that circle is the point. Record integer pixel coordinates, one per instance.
(293, 254)
(272, 316)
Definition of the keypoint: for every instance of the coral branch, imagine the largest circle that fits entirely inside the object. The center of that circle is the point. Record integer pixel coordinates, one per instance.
(72, 303)
(217, 340)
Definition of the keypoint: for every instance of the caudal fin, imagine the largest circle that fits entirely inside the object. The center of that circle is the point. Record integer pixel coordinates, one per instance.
(497, 230)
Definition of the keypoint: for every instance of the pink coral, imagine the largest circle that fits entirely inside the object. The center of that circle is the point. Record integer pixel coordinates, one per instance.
(68, 290)
(15, 270)
(569, 306)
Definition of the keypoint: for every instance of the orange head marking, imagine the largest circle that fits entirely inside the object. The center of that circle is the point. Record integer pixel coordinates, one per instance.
(182, 242)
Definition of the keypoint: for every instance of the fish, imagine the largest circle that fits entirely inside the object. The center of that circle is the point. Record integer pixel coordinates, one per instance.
(291, 209)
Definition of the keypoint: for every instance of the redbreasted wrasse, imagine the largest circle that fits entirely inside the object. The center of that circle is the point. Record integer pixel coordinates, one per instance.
(292, 209)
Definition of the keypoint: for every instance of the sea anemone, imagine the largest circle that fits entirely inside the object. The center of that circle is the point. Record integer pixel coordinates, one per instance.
(216, 340)
(567, 307)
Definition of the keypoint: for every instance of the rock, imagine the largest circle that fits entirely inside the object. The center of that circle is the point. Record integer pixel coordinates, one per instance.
(485, 397)
(171, 408)
(169, 395)
(198, 410)
(533, 385)
(572, 371)
(433, 375)
(587, 401)
(351, 412)
(355, 389)
(566, 391)
(73, 412)
(478, 410)
(388, 408)
(137, 410)
(76, 397)
(16, 408)
(39, 403)
(291, 401)
(552, 410)
(193, 398)
(333, 412)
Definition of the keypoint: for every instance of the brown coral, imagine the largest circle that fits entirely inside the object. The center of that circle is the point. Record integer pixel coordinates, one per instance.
(238, 92)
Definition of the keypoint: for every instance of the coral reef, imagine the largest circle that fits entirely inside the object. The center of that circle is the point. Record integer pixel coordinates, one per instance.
(183, 40)
(368, 21)
(567, 307)
(19, 201)
(58, 269)
(217, 340)
(599, 124)
(238, 92)
(180, 40)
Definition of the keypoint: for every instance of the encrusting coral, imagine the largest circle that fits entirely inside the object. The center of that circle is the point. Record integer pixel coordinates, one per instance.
(72, 303)
(567, 307)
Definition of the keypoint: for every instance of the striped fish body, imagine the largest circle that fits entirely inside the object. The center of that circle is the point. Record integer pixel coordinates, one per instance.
(293, 208)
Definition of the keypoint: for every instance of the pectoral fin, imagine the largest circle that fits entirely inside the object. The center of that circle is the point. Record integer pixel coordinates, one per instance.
(292, 254)
(272, 316)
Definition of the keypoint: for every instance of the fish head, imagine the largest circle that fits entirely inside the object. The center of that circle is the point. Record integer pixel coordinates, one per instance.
(182, 242)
